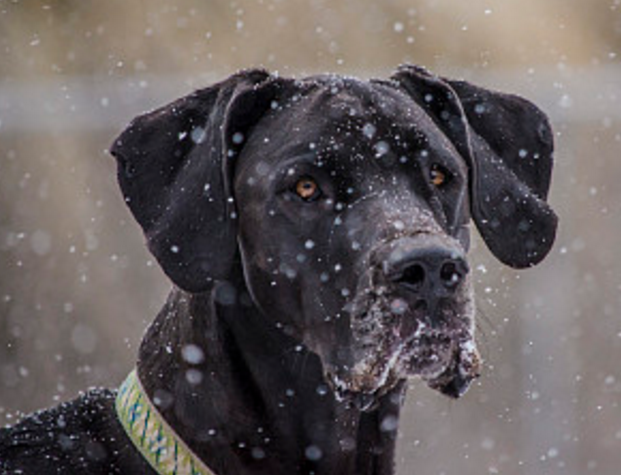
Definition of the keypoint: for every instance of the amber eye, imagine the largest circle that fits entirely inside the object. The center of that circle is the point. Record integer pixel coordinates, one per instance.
(438, 175)
(307, 189)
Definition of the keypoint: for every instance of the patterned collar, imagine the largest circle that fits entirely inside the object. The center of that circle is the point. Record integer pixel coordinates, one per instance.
(152, 436)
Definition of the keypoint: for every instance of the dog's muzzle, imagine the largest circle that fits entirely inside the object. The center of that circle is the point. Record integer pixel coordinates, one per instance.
(413, 316)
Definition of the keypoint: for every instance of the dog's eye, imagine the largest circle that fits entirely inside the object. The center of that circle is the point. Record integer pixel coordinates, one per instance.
(438, 175)
(307, 189)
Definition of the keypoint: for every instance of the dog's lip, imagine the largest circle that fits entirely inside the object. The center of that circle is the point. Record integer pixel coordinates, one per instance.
(444, 361)
(462, 370)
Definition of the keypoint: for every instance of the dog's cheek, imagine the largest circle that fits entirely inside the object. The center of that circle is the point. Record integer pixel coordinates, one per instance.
(319, 283)
(279, 278)
(267, 287)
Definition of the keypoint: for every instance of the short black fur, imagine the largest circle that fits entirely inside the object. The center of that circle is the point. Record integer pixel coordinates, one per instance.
(308, 316)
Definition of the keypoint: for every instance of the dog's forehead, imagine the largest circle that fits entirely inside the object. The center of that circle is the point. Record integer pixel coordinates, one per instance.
(354, 105)
(344, 120)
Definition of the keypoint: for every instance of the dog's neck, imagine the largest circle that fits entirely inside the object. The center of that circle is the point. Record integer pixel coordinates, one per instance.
(246, 398)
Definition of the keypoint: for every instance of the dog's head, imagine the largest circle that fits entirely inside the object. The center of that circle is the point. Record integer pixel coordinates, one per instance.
(346, 204)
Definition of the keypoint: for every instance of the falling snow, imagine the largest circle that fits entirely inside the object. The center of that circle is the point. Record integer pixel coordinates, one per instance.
(78, 286)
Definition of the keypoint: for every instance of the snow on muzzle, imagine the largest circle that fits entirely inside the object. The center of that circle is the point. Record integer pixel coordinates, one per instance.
(412, 315)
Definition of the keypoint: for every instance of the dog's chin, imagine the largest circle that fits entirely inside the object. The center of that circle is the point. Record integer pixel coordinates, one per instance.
(446, 361)
(458, 374)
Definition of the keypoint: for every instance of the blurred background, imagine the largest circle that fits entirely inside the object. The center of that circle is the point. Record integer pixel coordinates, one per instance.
(77, 286)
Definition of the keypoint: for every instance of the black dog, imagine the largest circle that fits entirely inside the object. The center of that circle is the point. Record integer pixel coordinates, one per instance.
(316, 233)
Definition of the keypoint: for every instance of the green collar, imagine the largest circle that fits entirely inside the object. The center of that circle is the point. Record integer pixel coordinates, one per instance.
(152, 436)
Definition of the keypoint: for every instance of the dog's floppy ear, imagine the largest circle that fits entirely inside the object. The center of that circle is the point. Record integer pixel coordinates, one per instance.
(174, 168)
(507, 143)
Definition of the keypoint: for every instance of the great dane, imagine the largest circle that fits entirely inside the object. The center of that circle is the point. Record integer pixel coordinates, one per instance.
(316, 232)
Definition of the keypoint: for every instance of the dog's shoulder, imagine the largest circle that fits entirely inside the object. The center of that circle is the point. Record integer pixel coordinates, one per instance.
(79, 436)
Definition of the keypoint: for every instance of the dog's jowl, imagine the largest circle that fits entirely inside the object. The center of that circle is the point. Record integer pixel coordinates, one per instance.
(316, 234)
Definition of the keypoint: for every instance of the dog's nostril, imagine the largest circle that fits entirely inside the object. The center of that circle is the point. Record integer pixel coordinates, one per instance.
(450, 274)
(413, 275)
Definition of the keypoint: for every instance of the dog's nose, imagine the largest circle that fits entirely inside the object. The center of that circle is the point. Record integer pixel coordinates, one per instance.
(430, 270)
